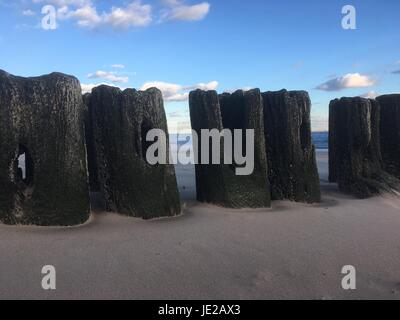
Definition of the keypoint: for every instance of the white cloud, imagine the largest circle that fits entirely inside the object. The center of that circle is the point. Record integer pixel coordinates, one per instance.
(88, 87)
(62, 3)
(28, 13)
(179, 11)
(133, 14)
(118, 66)
(109, 76)
(171, 92)
(189, 13)
(370, 95)
(172, 2)
(213, 85)
(86, 15)
(350, 80)
(175, 92)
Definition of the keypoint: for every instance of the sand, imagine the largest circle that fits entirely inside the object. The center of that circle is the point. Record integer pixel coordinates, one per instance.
(293, 251)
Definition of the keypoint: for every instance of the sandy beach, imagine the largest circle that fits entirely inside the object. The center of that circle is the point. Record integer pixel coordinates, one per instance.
(293, 251)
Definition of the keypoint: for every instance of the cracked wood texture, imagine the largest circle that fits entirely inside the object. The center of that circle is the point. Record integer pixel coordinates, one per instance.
(117, 125)
(218, 183)
(42, 119)
(292, 164)
(355, 160)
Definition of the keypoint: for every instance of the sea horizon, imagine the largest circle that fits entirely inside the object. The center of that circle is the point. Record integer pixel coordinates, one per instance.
(319, 138)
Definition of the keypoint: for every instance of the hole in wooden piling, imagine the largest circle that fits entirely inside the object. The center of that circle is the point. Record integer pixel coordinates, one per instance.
(24, 165)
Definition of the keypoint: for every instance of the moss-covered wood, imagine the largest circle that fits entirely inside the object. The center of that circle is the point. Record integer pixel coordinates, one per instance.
(355, 160)
(292, 165)
(118, 124)
(42, 119)
(218, 183)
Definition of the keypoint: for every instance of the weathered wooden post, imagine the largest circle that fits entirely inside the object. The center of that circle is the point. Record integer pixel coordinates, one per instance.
(43, 174)
(220, 184)
(390, 132)
(292, 165)
(117, 125)
(355, 161)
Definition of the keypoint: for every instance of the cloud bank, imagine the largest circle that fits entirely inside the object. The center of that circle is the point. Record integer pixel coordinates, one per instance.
(350, 80)
(171, 92)
(109, 76)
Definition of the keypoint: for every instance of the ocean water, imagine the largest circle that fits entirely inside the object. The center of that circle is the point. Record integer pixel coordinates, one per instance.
(320, 140)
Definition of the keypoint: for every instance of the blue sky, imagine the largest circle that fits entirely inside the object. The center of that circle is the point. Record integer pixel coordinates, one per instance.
(179, 45)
